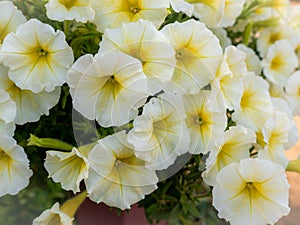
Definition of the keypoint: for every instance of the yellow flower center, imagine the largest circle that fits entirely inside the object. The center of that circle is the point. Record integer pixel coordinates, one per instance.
(134, 7)
(276, 63)
(274, 37)
(3, 155)
(68, 3)
(42, 52)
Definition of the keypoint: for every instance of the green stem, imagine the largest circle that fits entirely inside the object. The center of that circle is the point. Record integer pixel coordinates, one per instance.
(247, 34)
(48, 143)
(67, 24)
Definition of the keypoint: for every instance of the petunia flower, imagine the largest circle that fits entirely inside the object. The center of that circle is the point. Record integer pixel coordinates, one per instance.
(112, 13)
(144, 42)
(293, 92)
(232, 10)
(222, 35)
(10, 19)
(206, 127)
(280, 62)
(67, 168)
(252, 192)
(226, 87)
(108, 87)
(160, 134)
(252, 61)
(15, 172)
(37, 56)
(53, 216)
(29, 106)
(255, 106)
(272, 138)
(198, 54)
(209, 12)
(269, 36)
(60, 10)
(116, 176)
(234, 146)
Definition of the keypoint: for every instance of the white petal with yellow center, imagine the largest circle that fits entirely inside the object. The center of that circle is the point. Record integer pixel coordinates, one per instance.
(67, 168)
(269, 36)
(116, 176)
(113, 13)
(37, 56)
(10, 19)
(198, 54)
(60, 10)
(275, 134)
(280, 62)
(234, 146)
(227, 85)
(14, 170)
(160, 134)
(255, 106)
(29, 106)
(205, 126)
(259, 186)
(144, 42)
(109, 87)
(53, 216)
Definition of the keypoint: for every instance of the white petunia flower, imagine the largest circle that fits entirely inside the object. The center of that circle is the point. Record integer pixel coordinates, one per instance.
(252, 192)
(67, 168)
(8, 108)
(112, 13)
(37, 56)
(226, 87)
(182, 6)
(293, 92)
(53, 216)
(29, 106)
(160, 134)
(252, 60)
(198, 54)
(205, 126)
(272, 138)
(209, 12)
(116, 176)
(255, 106)
(14, 172)
(280, 62)
(232, 10)
(108, 87)
(269, 36)
(60, 10)
(144, 42)
(233, 147)
(10, 19)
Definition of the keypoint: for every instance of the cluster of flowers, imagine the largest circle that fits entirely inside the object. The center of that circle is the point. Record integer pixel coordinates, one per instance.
(184, 88)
